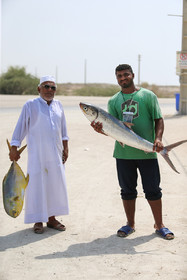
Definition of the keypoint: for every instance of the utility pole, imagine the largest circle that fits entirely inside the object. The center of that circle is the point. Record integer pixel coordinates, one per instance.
(139, 59)
(56, 74)
(85, 71)
(183, 72)
(36, 74)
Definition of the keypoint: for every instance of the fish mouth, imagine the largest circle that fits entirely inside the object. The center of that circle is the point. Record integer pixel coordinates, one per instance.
(90, 111)
(81, 105)
(84, 108)
(12, 213)
(15, 214)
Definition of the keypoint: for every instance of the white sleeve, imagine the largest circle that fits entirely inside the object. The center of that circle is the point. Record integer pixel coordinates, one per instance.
(21, 128)
(64, 126)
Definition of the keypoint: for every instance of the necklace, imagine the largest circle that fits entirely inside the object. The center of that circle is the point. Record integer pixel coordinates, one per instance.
(132, 95)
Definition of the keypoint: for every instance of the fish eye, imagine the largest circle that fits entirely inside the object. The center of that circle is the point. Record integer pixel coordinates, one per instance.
(85, 108)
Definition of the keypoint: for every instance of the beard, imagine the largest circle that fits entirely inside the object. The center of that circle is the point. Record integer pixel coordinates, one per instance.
(127, 85)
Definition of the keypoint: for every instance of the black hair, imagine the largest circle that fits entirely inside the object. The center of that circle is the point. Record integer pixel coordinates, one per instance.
(121, 67)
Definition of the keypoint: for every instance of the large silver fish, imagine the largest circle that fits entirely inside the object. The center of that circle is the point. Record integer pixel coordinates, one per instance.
(14, 184)
(122, 133)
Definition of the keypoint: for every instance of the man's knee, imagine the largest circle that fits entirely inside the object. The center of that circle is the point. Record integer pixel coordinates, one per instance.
(128, 196)
(153, 196)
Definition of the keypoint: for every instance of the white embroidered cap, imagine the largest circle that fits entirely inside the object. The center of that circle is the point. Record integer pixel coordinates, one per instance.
(47, 79)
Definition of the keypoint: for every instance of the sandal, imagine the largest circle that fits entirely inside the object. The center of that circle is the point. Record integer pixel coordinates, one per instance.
(56, 225)
(165, 233)
(38, 228)
(125, 231)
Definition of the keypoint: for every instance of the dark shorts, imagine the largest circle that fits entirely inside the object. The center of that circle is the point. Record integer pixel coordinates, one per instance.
(150, 176)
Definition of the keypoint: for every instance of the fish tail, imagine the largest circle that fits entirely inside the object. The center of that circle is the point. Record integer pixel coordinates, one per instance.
(20, 150)
(167, 149)
(8, 143)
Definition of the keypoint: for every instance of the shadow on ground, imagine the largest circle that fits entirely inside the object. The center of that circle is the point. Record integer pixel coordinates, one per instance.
(102, 246)
(23, 237)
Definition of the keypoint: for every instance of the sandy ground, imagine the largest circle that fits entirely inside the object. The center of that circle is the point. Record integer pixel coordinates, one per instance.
(89, 248)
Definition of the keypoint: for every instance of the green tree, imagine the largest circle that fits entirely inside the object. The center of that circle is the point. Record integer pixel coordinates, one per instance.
(17, 81)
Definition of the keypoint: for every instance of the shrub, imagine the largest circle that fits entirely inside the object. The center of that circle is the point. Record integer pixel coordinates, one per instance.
(17, 81)
(97, 90)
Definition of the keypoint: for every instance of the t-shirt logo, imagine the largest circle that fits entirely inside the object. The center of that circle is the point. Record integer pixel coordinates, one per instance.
(130, 106)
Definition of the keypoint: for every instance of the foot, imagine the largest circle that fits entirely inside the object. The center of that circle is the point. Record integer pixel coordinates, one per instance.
(125, 231)
(56, 225)
(164, 232)
(38, 228)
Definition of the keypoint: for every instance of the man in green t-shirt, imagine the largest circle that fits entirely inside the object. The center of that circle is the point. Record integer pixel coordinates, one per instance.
(141, 105)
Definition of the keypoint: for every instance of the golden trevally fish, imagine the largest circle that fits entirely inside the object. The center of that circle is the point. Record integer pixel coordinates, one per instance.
(14, 184)
(122, 133)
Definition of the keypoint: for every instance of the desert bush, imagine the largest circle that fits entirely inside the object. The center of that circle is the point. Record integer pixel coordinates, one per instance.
(17, 81)
(97, 90)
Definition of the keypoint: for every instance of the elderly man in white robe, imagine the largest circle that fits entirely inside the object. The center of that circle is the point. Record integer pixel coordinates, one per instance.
(42, 122)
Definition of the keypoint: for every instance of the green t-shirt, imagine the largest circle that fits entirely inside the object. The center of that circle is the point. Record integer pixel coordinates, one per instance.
(144, 105)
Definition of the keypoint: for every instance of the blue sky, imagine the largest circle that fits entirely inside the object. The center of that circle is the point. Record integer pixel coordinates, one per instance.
(57, 36)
